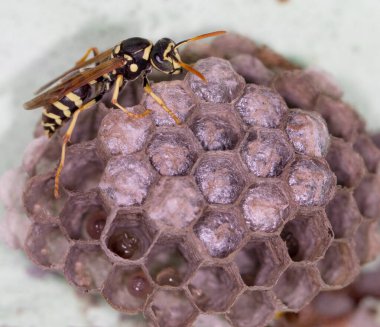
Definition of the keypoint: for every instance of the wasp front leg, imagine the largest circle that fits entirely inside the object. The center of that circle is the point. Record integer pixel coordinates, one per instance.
(115, 96)
(161, 102)
(94, 51)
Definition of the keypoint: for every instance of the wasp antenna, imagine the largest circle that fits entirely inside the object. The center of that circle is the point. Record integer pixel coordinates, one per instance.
(199, 37)
(191, 70)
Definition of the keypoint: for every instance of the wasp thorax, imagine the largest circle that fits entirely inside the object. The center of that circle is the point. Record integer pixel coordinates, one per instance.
(165, 57)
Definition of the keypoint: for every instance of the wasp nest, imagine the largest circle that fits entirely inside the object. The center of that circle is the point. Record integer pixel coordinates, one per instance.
(266, 195)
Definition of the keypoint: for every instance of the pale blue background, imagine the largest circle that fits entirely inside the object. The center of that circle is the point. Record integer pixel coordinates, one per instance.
(40, 39)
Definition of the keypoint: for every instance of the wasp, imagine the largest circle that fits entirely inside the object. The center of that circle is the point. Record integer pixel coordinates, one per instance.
(82, 86)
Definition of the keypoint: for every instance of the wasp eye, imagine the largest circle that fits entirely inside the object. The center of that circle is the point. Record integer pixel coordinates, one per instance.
(158, 59)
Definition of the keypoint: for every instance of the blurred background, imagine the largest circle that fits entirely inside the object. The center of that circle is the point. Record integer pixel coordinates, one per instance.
(41, 38)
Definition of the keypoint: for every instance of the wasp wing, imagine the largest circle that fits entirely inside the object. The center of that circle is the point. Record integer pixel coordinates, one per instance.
(75, 81)
(94, 60)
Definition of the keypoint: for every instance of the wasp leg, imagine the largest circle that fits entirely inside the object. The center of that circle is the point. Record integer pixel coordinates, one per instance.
(66, 139)
(94, 51)
(115, 95)
(161, 102)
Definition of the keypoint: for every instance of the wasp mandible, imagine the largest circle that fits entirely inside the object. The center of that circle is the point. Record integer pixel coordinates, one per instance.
(82, 86)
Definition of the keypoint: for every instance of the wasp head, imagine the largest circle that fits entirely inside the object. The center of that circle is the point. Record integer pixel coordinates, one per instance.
(165, 57)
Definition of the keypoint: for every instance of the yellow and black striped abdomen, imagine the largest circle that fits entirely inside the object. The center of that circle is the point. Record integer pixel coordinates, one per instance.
(58, 112)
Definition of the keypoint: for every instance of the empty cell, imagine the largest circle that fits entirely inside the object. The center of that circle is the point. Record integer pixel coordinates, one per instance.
(312, 182)
(297, 88)
(261, 261)
(128, 236)
(127, 288)
(266, 206)
(126, 180)
(172, 260)
(340, 265)
(172, 308)
(343, 214)
(223, 83)
(219, 178)
(220, 232)
(367, 196)
(46, 245)
(261, 106)
(253, 309)
(216, 127)
(213, 289)
(40, 204)
(175, 202)
(120, 134)
(297, 286)
(308, 133)
(172, 152)
(83, 216)
(347, 164)
(266, 152)
(87, 266)
(177, 99)
(308, 236)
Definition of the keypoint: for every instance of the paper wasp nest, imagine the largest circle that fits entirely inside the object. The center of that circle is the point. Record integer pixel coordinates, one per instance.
(267, 194)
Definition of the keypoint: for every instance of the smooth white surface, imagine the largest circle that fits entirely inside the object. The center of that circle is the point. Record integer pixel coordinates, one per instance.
(40, 39)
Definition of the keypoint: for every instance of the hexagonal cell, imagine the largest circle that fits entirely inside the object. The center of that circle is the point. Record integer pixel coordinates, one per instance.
(83, 168)
(297, 88)
(176, 98)
(342, 120)
(367, 196)
(252, 308)
(369, 152)
(126, 180)
(127, 237)
(46, 245)
(266, 152)
(175, 202)
(39, 201)
(207, 320)
(223, 83)
(172, 308)
(343, 214)
(266, 206)
(127, 289)
(231, 44)
(252, 69)
(307, 131)
(367, 241)
(216, 127)
(307, 236)
(346, 164)
(261, 106)
(340, 265)
(83, 216)
(87, 266)
(312, 182)
(297, 286)
(261, 261)
(214, 289)
(324, 81)
(120, 134)
(172, 151)
(219, 178)
(220, 231)
(172, 260)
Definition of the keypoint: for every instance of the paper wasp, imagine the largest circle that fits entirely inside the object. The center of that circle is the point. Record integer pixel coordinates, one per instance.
(83, 86)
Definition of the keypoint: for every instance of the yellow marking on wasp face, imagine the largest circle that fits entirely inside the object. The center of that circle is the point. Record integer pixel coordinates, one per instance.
(167, 50)
(74, 98)
(147, 52)
(128, 57)
(117, 49)
(133, 68)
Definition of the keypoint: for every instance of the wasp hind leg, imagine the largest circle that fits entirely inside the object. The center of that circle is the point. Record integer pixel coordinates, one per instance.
(66, 139)
(161, 102)
(94, 51)
(115, 95)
